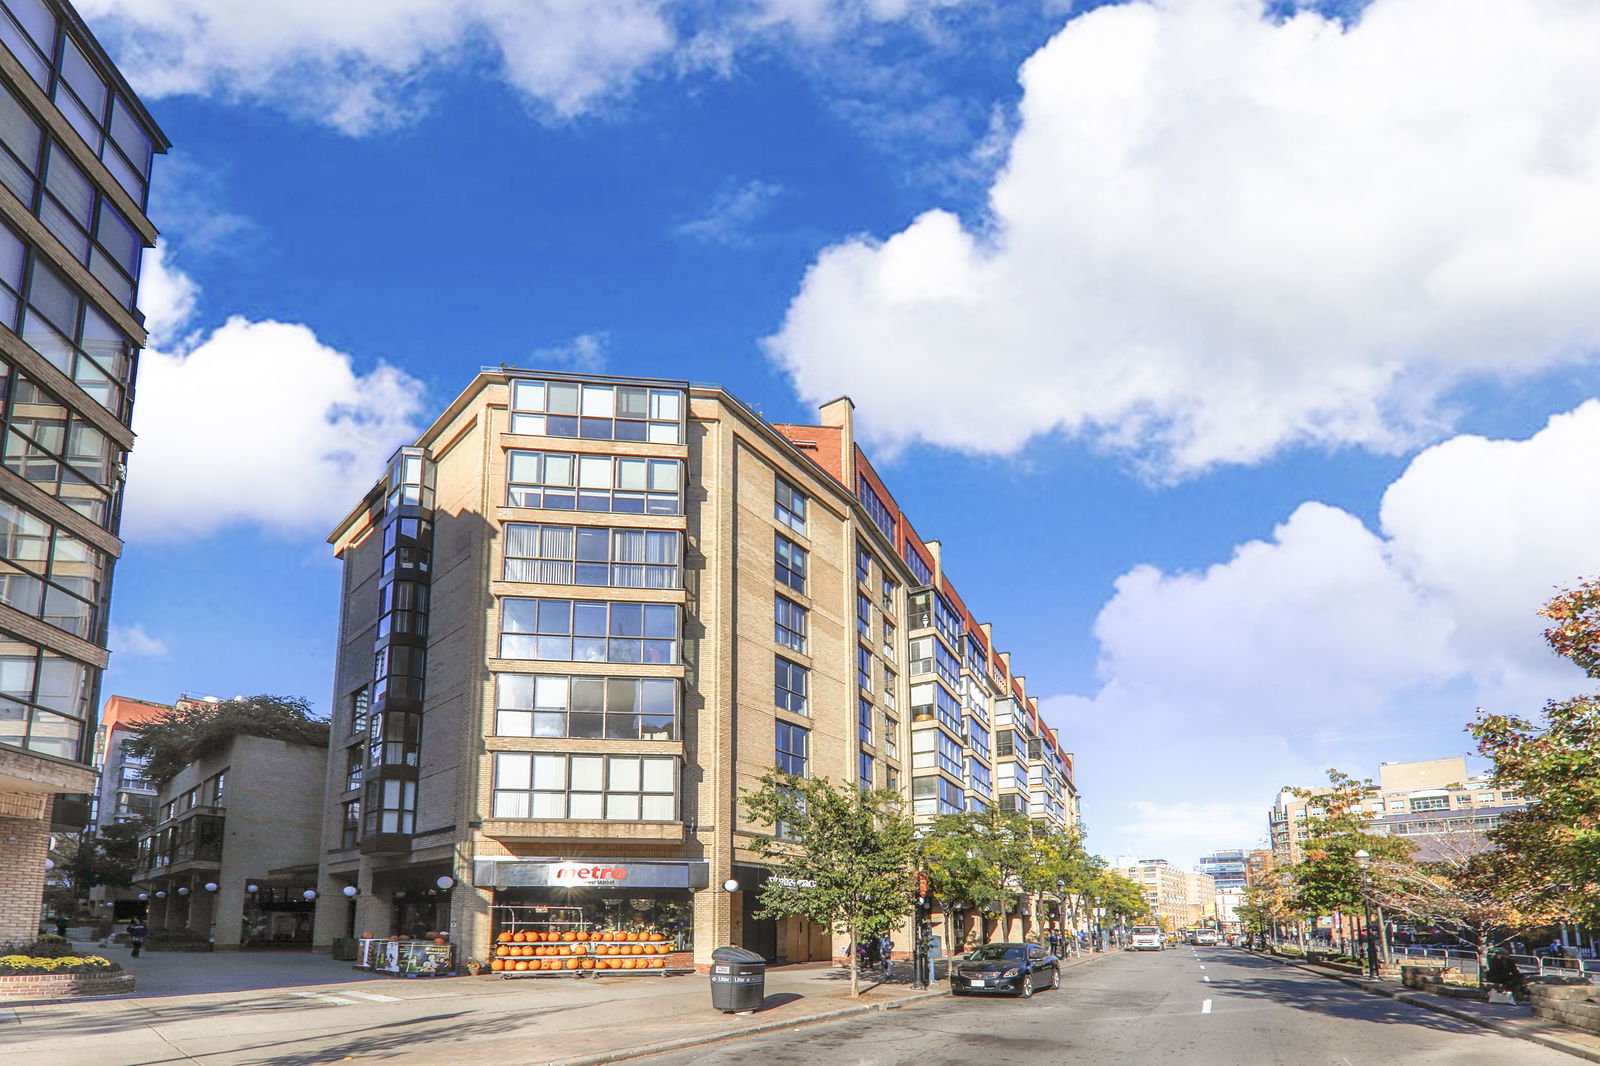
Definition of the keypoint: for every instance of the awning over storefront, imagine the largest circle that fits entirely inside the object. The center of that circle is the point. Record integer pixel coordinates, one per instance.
(589, 873)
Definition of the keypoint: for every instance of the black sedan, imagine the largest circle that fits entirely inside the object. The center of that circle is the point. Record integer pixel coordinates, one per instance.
(1020, 969)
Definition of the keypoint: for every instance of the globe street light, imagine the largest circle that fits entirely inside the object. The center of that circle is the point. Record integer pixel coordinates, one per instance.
(1362, 859)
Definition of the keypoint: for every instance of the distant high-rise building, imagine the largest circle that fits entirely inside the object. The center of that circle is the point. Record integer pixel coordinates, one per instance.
(76, 168)
(1226, 868)
(1177, 899)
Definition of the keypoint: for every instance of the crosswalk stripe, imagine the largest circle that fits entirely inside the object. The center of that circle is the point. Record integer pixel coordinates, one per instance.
(372, 996)
(321, 997)
(9, 1017)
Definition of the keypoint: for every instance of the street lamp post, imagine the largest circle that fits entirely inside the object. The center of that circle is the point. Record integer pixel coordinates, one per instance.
(1099, 928)
(1362, 858)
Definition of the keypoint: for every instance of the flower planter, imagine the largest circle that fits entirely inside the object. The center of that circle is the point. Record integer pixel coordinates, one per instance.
(32, 986)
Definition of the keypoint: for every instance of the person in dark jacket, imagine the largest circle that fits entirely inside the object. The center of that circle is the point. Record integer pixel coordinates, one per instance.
(137, 931)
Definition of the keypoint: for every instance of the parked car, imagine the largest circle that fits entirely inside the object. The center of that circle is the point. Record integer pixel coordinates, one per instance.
(1020, 969)
(1146, 938)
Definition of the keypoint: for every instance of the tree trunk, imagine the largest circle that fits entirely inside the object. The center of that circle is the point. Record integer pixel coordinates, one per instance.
(850, 962)
(1383, 936)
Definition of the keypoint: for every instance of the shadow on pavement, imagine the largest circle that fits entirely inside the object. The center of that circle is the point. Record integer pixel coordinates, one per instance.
(1320, 995)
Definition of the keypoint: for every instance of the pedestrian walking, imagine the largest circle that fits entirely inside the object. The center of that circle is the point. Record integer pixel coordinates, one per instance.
(137, 931)
(886, 954)
(61, 926)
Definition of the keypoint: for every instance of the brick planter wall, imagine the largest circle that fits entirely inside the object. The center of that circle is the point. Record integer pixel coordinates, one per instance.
(1572, 1004)
(64, 985)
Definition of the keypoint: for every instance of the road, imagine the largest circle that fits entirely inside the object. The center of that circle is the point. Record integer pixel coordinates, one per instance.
(1188, 1006)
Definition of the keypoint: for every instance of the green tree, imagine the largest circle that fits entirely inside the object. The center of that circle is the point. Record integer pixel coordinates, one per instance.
(843, 858)
(1268, 903)
(977, 858)
(182, 735)
(83, 860)
(1122, 897)
(1553, 764)
(1053, 866)
(1329, 879)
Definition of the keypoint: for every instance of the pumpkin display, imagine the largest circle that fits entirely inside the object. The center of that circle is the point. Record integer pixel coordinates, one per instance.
(583, 935)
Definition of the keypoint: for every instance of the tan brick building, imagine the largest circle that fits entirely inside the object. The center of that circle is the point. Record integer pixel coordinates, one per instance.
(582, 614)
(234, 847)
(1177, 899)
(77, 147)
(1419, 800)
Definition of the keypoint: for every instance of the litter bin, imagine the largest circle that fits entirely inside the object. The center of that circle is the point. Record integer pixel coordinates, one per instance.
(738, 980)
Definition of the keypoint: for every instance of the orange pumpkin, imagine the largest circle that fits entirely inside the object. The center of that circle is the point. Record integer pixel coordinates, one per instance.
(519, 965)
(608, 936)
(633, 936)
(503, 938)
(441, 940)
(572, 964)
(497, 964)
(583, 935)
(569, 937)
(552, 964)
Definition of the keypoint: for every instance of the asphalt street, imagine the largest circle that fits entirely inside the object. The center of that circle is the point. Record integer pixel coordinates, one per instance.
(1194, 1006)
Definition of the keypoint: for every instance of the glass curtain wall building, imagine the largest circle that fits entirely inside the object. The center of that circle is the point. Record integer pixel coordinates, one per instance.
(76, 147)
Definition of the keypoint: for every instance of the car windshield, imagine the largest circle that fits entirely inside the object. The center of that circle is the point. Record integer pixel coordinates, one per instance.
(998, 952)
(1146, 930)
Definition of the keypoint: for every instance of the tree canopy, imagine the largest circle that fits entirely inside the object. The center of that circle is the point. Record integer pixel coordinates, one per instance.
(191, 732)
(1329, 878)
(1553, 765)
(840, 856)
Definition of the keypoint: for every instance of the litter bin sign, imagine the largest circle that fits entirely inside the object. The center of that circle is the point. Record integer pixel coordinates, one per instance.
(738, 980)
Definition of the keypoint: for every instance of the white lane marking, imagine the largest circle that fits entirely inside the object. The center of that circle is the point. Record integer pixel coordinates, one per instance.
(1207, 980)
(371, 996)
(1205, 1008)
(1202, 967)
(338, 1001)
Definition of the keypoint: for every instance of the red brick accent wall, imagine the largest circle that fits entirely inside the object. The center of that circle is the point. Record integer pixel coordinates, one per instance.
(23, 845)
(64, 985)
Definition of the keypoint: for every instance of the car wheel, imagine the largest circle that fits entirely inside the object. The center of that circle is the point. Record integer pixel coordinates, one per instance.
(1055, 978)
(1025, 989)
(958, 991)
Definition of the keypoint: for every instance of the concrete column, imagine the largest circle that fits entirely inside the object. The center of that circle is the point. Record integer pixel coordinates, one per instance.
(470, 923)
(230, 898)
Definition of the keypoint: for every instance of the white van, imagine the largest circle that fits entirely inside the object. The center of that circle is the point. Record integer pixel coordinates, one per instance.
(1146, 938)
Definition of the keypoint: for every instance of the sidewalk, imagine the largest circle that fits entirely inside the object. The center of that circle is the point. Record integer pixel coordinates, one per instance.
(250, 1009)
(1510, 1019)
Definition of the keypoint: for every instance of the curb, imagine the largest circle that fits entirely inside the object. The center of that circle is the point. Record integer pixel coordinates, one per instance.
(1552, 1041)
(621, 1054)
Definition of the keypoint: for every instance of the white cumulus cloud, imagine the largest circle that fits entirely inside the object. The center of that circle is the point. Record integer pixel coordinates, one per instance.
(1219, 233)
(1331, 644)
(358, 65)
(253, 423)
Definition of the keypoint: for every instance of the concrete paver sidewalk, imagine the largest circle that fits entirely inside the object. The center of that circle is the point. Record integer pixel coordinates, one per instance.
(1510, 1019)
(253, 1009)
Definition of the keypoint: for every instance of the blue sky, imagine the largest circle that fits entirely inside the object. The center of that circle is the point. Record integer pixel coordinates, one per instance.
(1239, 358)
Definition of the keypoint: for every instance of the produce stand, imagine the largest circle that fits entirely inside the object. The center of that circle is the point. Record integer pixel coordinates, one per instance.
(406, 958)
(557, 941)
